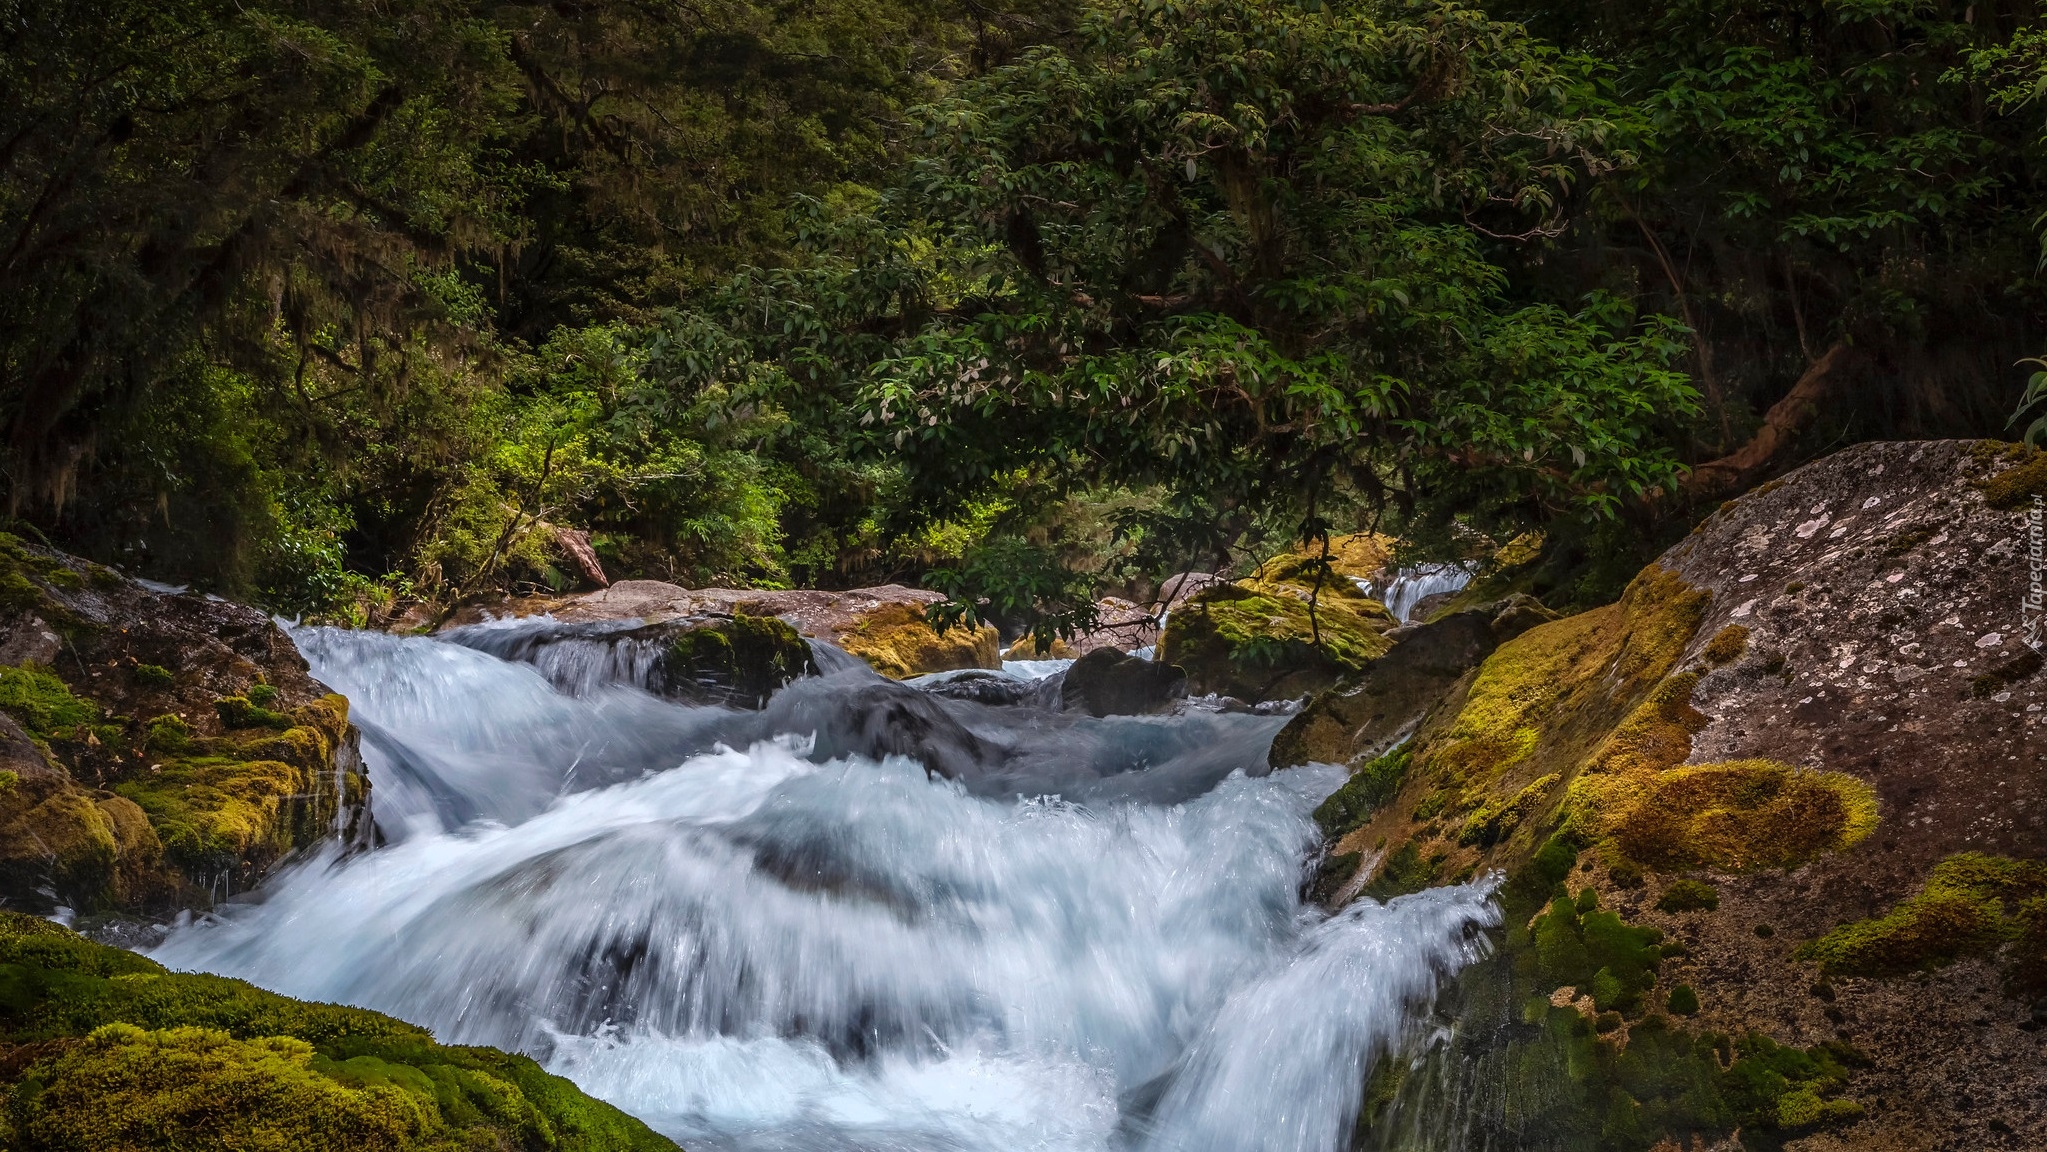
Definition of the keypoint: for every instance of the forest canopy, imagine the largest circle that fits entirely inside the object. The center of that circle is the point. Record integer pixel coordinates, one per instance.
(334, 303)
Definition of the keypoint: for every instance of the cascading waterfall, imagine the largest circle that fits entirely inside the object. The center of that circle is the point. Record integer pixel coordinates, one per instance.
(1410, 586)
(717, 922)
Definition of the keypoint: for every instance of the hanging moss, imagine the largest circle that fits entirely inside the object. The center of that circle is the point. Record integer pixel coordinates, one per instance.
(115, 1053)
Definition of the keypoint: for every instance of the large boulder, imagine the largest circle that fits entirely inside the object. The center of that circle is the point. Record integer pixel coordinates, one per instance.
(170, 753)
(108, 1049)
(1106, 682)
(1369, 713)
(728, 661)
(1278, 638)
(1789, 790)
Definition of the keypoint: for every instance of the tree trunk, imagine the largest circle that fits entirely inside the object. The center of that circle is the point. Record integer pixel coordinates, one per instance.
(1781, 425)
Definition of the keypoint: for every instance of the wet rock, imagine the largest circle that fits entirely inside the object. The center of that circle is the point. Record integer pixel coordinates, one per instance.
(994, 689)
(1376, 709)
(1821, 705)
(733, 662)
(884, 625)
(876, 719)
(1258, 639)
(1108, 683)
(178, 748)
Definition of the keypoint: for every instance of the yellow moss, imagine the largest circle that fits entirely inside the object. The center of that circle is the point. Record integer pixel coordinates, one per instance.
(1656, 735)
(236, 804)
(1972, 903)
(1027, 649)
(1244, 638)
(1533, 683)
(1734, 815)
(1494, 822)
(1358, 556)
(1726, 645)
(2015, 486)
(899, 643)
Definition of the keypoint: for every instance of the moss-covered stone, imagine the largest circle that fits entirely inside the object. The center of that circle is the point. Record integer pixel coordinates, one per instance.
(1688, 895)
(176, 751)
(228, 807)
(898, 641)
(105, 1050)
(2020, 475)
(1972, 904)
(1259, 639)
(741, 661)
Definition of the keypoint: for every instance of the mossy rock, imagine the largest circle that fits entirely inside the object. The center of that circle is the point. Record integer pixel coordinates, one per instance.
(108, 1050)
(1972, 904)
(738, 662)
(899, 642)
(2019, 476)
(1257, 640)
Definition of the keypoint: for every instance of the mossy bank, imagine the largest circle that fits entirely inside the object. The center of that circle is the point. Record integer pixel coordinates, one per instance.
(101, 1049)
(1773, 850)
(161, 751)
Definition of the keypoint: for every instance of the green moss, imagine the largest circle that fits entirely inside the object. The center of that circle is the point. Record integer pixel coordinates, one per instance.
(154, 675)
(1689, 896)
(1496, 820)
(1242, 639)
(238, 712)
(1683, 1001)
(261, 694)
(743, 660)
(1365, 792)
(1406, 870)
(234, 804)
(132, 1057)
(1970, 905)
(47, 709)
(2016, 486)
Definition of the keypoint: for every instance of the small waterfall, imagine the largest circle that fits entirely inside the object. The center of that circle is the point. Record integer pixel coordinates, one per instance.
(1410, 586)
(1092, 939)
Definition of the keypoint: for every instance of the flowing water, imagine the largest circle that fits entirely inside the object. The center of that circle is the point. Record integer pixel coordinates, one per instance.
(1408, 587)
(761, 930)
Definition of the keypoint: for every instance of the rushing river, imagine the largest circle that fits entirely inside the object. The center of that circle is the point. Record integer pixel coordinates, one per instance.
(733, 927)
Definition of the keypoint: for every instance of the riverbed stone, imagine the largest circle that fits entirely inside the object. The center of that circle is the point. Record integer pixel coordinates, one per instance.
(885, 625)
(1106, 682)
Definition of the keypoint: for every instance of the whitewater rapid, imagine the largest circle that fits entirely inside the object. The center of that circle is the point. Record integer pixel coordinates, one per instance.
(753, 943)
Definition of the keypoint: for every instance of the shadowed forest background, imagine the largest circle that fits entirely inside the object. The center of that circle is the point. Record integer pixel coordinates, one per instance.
(335, 305)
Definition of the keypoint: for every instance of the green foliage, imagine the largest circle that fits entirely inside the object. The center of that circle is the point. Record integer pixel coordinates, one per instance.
(46, 708)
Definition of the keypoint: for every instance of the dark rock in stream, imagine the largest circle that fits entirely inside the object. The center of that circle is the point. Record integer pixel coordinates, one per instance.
(736, 661)
(1106, 682)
